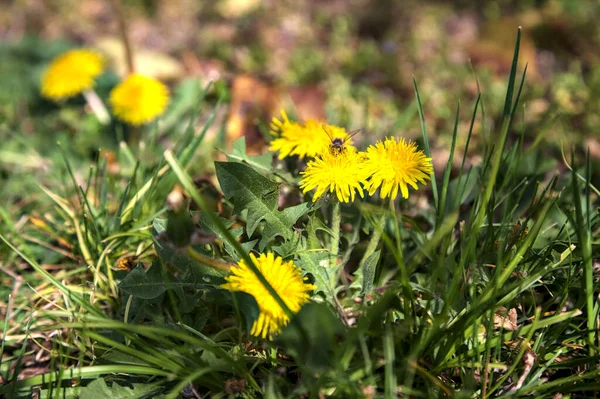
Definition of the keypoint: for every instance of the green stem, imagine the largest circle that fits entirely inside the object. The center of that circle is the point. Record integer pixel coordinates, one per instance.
(97, 106)
(208, 261)
(134, 138)
(336, 221)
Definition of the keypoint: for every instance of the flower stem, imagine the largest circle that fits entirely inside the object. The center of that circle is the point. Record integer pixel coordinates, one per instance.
(134, 138)
(336, 221)
(208, 261)
(97, 106)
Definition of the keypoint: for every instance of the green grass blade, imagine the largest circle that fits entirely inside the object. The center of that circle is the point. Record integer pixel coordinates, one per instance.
(441, 210)
(508, 105)
(52, 280)
(426, 141)
(585, 243)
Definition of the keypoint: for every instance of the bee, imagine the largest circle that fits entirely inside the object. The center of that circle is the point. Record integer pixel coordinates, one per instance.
(126, 263)
(338, 144)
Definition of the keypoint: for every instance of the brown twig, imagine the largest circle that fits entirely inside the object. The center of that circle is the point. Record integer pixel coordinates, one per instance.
(123, 31)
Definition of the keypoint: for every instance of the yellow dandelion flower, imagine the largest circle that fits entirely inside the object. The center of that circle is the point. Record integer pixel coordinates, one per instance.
(279, 126)
(71, 73)
(139, 99)
(340, 172)
(308, 140)
(285, 278)
(394, 165)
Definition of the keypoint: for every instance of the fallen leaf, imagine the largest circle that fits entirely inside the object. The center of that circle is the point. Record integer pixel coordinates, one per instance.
(505, 320)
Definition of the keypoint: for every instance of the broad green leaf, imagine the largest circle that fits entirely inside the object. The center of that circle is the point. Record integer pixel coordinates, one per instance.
(251, 191)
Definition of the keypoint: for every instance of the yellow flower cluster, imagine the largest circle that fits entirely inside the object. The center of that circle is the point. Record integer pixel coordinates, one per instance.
(136, 100)
(341, 173)
(284, 277)
(392, 165)
(305, 141)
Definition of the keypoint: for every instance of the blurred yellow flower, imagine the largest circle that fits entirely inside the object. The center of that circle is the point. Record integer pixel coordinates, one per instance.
(341, 172)
(139, 99)
(308, 140)
(394, 165)
(285, 278)
(71, 73)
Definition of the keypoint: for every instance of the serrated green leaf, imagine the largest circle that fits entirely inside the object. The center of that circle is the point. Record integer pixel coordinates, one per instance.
(318, 264)
(152, 283)
(206, 223)
(142, 284)
(313, 226)
(98, 389)
(251, 191)
(368, 271)
(260, 162)
(288, 248)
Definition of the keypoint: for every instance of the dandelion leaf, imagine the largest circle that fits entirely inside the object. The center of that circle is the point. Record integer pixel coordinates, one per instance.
(144, 285)
(207, 223)
(365, 276)
(288, 248)
(98, 389)
(251, 191)
(238, 154)
(151, 283)
(318, 265)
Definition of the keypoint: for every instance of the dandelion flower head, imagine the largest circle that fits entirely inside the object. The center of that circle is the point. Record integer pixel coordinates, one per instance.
(71, 73)
(394, 165)
(139, 99)
(342, 173)
(285, 278)
(305, 141)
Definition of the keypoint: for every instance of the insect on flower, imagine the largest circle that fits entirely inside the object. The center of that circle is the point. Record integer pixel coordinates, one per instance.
(338, 144)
